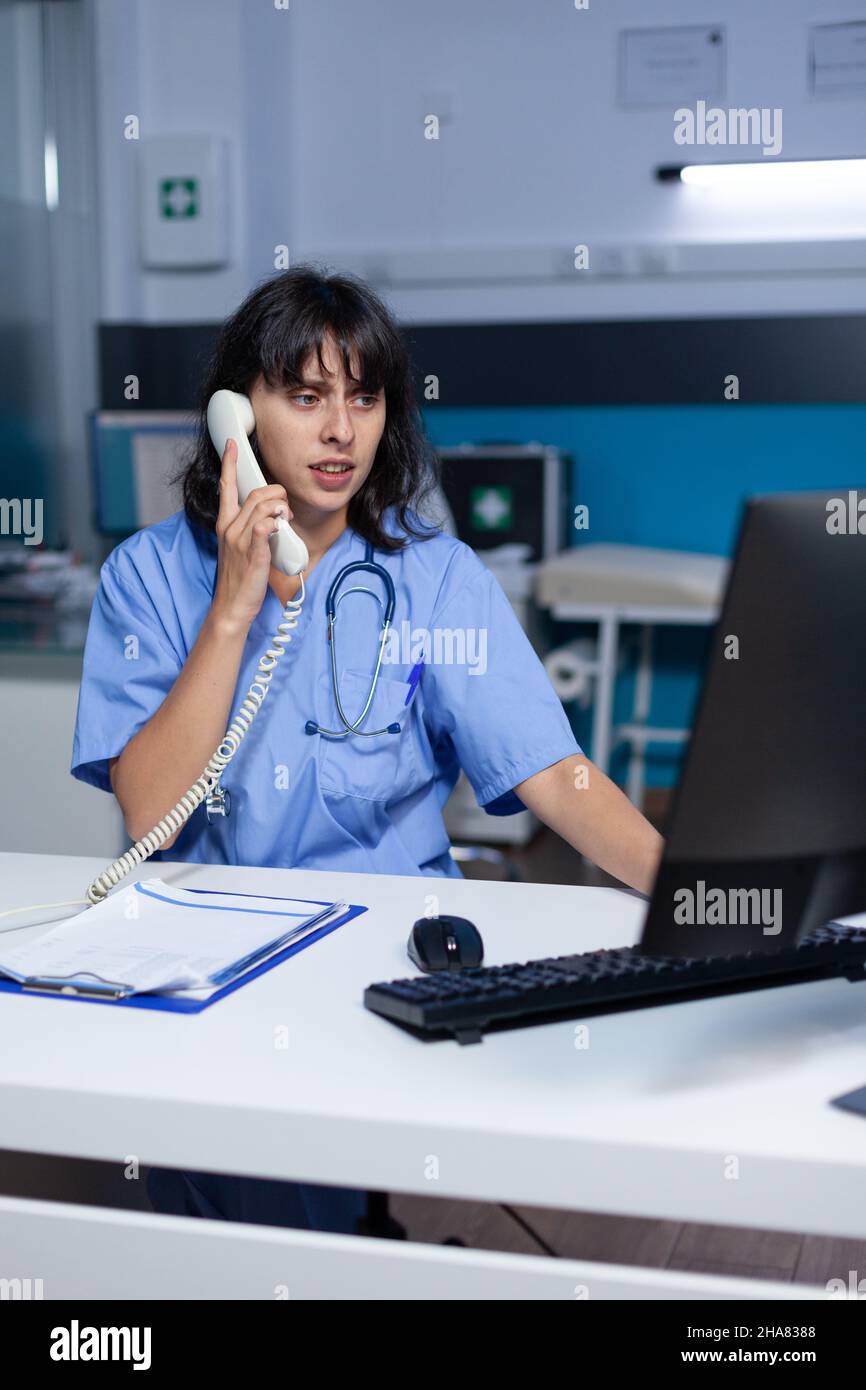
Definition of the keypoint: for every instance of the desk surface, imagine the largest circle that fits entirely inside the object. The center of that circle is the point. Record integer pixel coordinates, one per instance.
(715, 1110)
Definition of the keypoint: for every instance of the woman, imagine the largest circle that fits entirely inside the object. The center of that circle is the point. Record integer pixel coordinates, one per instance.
(186, 607)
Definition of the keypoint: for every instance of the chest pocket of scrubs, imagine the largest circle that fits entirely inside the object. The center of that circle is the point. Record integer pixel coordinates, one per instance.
(384, 768)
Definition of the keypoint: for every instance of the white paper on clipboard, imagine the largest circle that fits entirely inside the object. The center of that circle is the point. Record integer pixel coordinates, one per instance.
(150, 937)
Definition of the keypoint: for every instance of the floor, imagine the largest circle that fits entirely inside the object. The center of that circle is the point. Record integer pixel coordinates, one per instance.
(525, 1230)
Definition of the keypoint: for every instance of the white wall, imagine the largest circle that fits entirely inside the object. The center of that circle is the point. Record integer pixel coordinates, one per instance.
(178, 67)
(324, 103)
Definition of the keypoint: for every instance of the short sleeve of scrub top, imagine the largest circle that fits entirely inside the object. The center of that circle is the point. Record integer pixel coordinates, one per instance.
(130, 665)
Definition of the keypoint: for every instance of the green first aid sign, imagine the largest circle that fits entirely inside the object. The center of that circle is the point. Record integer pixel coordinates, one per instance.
(491, 508)
(179, 198)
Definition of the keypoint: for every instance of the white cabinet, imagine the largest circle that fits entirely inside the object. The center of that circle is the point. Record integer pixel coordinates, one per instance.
(43, 808)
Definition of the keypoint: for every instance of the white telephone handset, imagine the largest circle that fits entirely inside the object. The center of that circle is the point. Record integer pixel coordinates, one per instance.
(230, 416)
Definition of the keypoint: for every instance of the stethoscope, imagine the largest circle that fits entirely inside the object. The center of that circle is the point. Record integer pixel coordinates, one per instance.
(218, 803)
(333, 603)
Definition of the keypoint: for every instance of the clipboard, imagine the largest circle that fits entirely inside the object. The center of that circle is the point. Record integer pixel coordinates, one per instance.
(95, 994)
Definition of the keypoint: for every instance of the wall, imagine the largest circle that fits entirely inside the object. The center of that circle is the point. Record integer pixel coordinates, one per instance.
(676, 476)
(325, 102)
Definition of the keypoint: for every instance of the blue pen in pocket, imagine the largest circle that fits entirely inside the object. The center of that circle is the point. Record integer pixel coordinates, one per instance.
(414, 677)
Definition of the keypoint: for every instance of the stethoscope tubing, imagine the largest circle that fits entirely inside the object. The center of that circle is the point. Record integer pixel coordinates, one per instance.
(369, 566)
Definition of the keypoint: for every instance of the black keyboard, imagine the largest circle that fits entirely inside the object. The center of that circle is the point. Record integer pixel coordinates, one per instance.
(465, 1004)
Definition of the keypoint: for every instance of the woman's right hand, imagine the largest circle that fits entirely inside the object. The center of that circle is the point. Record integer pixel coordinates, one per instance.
(244, 560)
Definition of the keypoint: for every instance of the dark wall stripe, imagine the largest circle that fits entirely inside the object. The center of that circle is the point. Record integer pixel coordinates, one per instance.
(818, 358)
(169, 361)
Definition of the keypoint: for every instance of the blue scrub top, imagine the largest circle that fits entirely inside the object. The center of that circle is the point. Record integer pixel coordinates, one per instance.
(483, 703)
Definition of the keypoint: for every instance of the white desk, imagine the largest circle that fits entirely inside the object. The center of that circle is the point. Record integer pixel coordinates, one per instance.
(645, 1121)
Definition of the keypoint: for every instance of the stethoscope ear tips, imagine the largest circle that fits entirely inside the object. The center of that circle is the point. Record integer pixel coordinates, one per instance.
(311, 727)
(393, 729)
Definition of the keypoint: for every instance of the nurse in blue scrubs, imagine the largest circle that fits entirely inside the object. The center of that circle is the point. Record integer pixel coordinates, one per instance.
(185, 609)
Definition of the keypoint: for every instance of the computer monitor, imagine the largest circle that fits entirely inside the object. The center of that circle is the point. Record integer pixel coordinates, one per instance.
(767, 831)
(135, 455)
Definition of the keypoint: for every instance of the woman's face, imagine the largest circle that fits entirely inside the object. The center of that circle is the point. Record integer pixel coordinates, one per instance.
(329, 419)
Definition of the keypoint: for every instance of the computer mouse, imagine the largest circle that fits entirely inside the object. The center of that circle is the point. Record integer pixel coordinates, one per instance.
(445, 943)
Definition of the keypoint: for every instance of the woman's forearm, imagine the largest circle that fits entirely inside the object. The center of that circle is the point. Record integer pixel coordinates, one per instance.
(173, 748)
(581, 804)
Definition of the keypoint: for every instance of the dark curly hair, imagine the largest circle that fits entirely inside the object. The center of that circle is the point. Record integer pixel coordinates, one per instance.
(273, 333)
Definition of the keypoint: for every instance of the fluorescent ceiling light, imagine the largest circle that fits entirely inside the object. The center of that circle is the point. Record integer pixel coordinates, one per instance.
(768, 174)
(51, 171)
